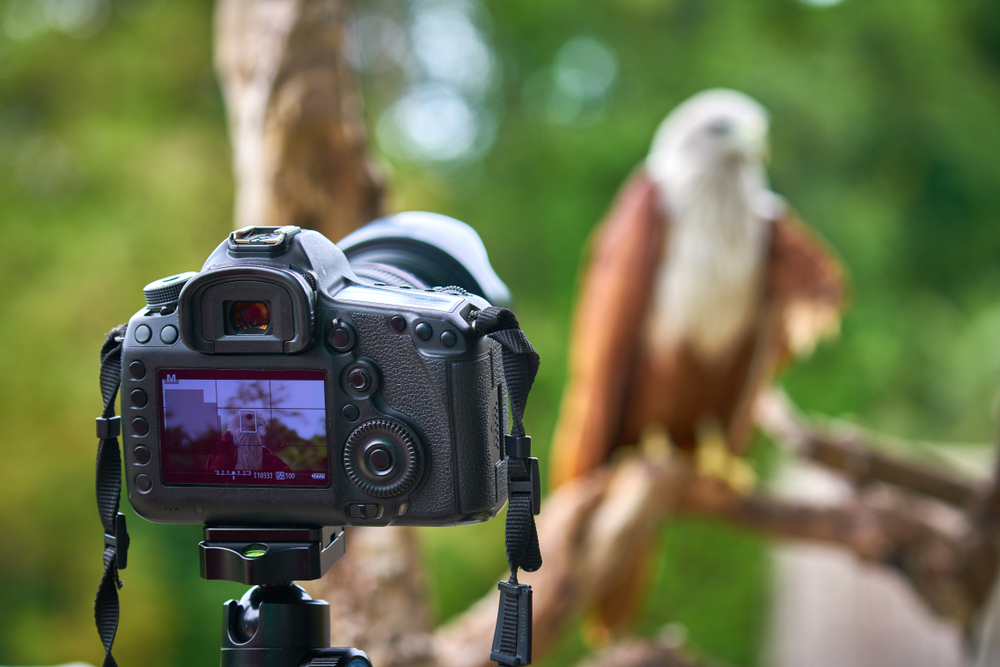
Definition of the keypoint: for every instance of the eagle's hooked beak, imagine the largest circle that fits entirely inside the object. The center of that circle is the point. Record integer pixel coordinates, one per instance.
(750, 143)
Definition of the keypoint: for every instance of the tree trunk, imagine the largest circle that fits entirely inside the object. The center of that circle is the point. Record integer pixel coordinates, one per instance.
(378, 601)
(300, 157)
(299, 150)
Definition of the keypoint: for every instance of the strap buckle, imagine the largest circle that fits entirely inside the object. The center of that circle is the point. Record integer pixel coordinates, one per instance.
(119, 541)
(519, 447)
(531, 486)
(109, 428)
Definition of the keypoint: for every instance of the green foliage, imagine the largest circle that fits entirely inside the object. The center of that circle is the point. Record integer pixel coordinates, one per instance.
(114, 171)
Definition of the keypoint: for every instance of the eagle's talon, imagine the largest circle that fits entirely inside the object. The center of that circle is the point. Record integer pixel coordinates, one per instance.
(714, 459)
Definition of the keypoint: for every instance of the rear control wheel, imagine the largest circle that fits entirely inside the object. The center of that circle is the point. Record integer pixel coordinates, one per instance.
(381, 458)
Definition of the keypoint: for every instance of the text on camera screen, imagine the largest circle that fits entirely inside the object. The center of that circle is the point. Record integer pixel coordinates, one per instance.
(243, 428)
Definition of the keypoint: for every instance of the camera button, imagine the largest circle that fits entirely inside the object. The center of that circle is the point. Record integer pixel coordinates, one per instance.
(398, 323)
(138, 398)
(423, 331)
(141, 455)
(379, 460)
(448, 338)
(137, 370)
(359, 379)
(143, 483)
(350, 412)
(143, 333)
(140, 426)
(341, 337)
(168, 334)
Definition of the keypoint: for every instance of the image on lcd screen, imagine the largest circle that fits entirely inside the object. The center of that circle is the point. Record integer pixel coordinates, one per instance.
(247, 428)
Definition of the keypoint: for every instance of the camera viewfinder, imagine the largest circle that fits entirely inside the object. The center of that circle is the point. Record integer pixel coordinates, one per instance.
(249, 317)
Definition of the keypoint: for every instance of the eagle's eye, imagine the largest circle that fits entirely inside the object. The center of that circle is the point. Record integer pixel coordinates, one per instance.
(720, 127)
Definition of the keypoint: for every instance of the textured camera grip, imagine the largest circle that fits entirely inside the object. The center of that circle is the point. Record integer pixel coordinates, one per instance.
(416, 387)
(477, 444)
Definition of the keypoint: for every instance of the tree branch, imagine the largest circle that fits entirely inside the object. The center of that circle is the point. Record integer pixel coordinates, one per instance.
(588, 527)
(852, 452)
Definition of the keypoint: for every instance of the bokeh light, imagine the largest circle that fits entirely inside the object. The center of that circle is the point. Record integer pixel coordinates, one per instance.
(440, 108)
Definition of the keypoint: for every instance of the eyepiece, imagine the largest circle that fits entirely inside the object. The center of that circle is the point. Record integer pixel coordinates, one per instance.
(249, 317)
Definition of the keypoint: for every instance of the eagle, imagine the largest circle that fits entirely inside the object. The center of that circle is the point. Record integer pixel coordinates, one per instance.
(247, 429)
(701, 284)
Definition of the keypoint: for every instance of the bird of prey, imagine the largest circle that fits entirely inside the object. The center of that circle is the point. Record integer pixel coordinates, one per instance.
(701, 282)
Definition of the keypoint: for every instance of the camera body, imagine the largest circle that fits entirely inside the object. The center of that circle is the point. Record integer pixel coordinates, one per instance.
(286, 384)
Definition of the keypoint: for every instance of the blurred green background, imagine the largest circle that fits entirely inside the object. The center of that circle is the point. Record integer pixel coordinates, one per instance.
(522, 118)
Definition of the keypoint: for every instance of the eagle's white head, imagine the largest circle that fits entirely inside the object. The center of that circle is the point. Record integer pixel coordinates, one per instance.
(248, 428)
(716, 134)
(707, 161)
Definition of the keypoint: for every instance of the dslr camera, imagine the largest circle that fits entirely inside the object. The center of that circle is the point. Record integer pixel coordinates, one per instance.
(292, 381)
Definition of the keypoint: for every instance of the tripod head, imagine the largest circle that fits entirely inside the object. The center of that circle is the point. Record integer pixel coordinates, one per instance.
(276, 623)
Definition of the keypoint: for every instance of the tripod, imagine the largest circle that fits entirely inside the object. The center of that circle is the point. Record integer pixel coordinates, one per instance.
(276, 623)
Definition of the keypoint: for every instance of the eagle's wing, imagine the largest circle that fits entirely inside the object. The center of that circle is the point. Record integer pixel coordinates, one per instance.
(610, 314)
(805, 295)
(807, 284)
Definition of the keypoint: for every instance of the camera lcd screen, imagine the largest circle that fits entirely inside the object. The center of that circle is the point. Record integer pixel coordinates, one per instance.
(243, 428)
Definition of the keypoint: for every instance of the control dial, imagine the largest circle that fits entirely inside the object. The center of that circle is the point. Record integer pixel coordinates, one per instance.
(164, 292)
(381, 457)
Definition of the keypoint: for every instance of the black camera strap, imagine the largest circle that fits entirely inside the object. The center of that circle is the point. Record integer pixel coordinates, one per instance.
(512, 637)
(109, 484)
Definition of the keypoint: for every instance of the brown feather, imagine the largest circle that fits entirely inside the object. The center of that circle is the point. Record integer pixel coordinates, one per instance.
(681, 392)
(806, 282)
(804, 297)
(620, 384)
(611, 309)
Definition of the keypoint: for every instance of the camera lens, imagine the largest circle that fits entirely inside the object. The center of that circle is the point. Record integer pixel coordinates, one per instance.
(249, 317)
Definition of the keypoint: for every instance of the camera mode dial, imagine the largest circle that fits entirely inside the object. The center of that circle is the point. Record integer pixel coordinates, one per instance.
(381, 458)
(164, 292)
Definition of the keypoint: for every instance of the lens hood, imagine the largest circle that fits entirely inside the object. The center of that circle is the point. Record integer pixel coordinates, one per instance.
(436, 249)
